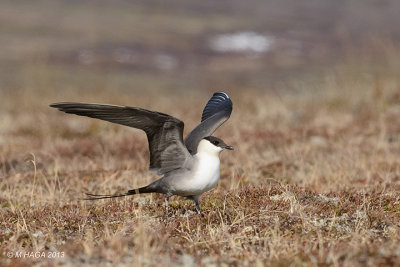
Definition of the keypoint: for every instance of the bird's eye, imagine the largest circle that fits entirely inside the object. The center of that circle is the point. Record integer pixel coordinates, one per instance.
(215, 142)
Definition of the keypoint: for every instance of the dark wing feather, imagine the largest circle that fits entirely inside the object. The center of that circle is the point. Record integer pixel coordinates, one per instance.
(163, 131)
(220, 101)
(215, 113)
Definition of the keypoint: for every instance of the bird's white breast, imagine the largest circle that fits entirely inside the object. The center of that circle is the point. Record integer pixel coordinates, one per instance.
(205, 176)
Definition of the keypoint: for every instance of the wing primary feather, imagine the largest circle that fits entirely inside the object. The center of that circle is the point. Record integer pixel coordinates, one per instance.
(156, 125)
(218, 102)
(217, 110)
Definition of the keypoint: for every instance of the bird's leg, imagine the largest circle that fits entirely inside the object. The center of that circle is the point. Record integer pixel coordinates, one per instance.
(166, 202)
(169, 213)
(196, 200)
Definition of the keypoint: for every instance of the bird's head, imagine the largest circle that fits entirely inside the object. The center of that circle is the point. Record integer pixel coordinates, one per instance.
(212, 145)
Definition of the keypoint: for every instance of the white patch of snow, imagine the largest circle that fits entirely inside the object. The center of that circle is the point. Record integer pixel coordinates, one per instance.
(242, 42)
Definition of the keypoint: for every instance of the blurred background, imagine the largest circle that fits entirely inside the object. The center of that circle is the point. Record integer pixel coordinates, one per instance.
(63, 47)
(294, 69)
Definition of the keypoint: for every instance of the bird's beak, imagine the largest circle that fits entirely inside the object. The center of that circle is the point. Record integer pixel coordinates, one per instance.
(229, 147)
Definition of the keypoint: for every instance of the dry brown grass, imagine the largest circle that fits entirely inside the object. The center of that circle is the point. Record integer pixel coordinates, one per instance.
(315, 175)
(314, 180)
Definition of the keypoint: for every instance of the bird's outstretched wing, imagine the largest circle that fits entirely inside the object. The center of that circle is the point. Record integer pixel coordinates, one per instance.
(215, 113)
(164, 132)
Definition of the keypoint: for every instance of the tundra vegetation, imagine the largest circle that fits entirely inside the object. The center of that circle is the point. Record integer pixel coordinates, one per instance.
(315, 175)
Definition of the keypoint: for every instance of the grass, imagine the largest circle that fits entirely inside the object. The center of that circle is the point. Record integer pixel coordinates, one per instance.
(314, 180)
(315, 174)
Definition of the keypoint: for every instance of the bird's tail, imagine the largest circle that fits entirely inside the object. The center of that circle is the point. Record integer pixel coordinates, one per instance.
(140, 190)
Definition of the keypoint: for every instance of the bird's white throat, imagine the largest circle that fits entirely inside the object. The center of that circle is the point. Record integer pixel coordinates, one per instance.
(205, 147)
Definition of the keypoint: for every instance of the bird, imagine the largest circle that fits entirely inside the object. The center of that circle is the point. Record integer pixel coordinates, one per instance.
(190, 166)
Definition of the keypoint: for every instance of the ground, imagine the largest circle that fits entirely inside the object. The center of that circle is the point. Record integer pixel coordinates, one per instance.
(314, 178)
